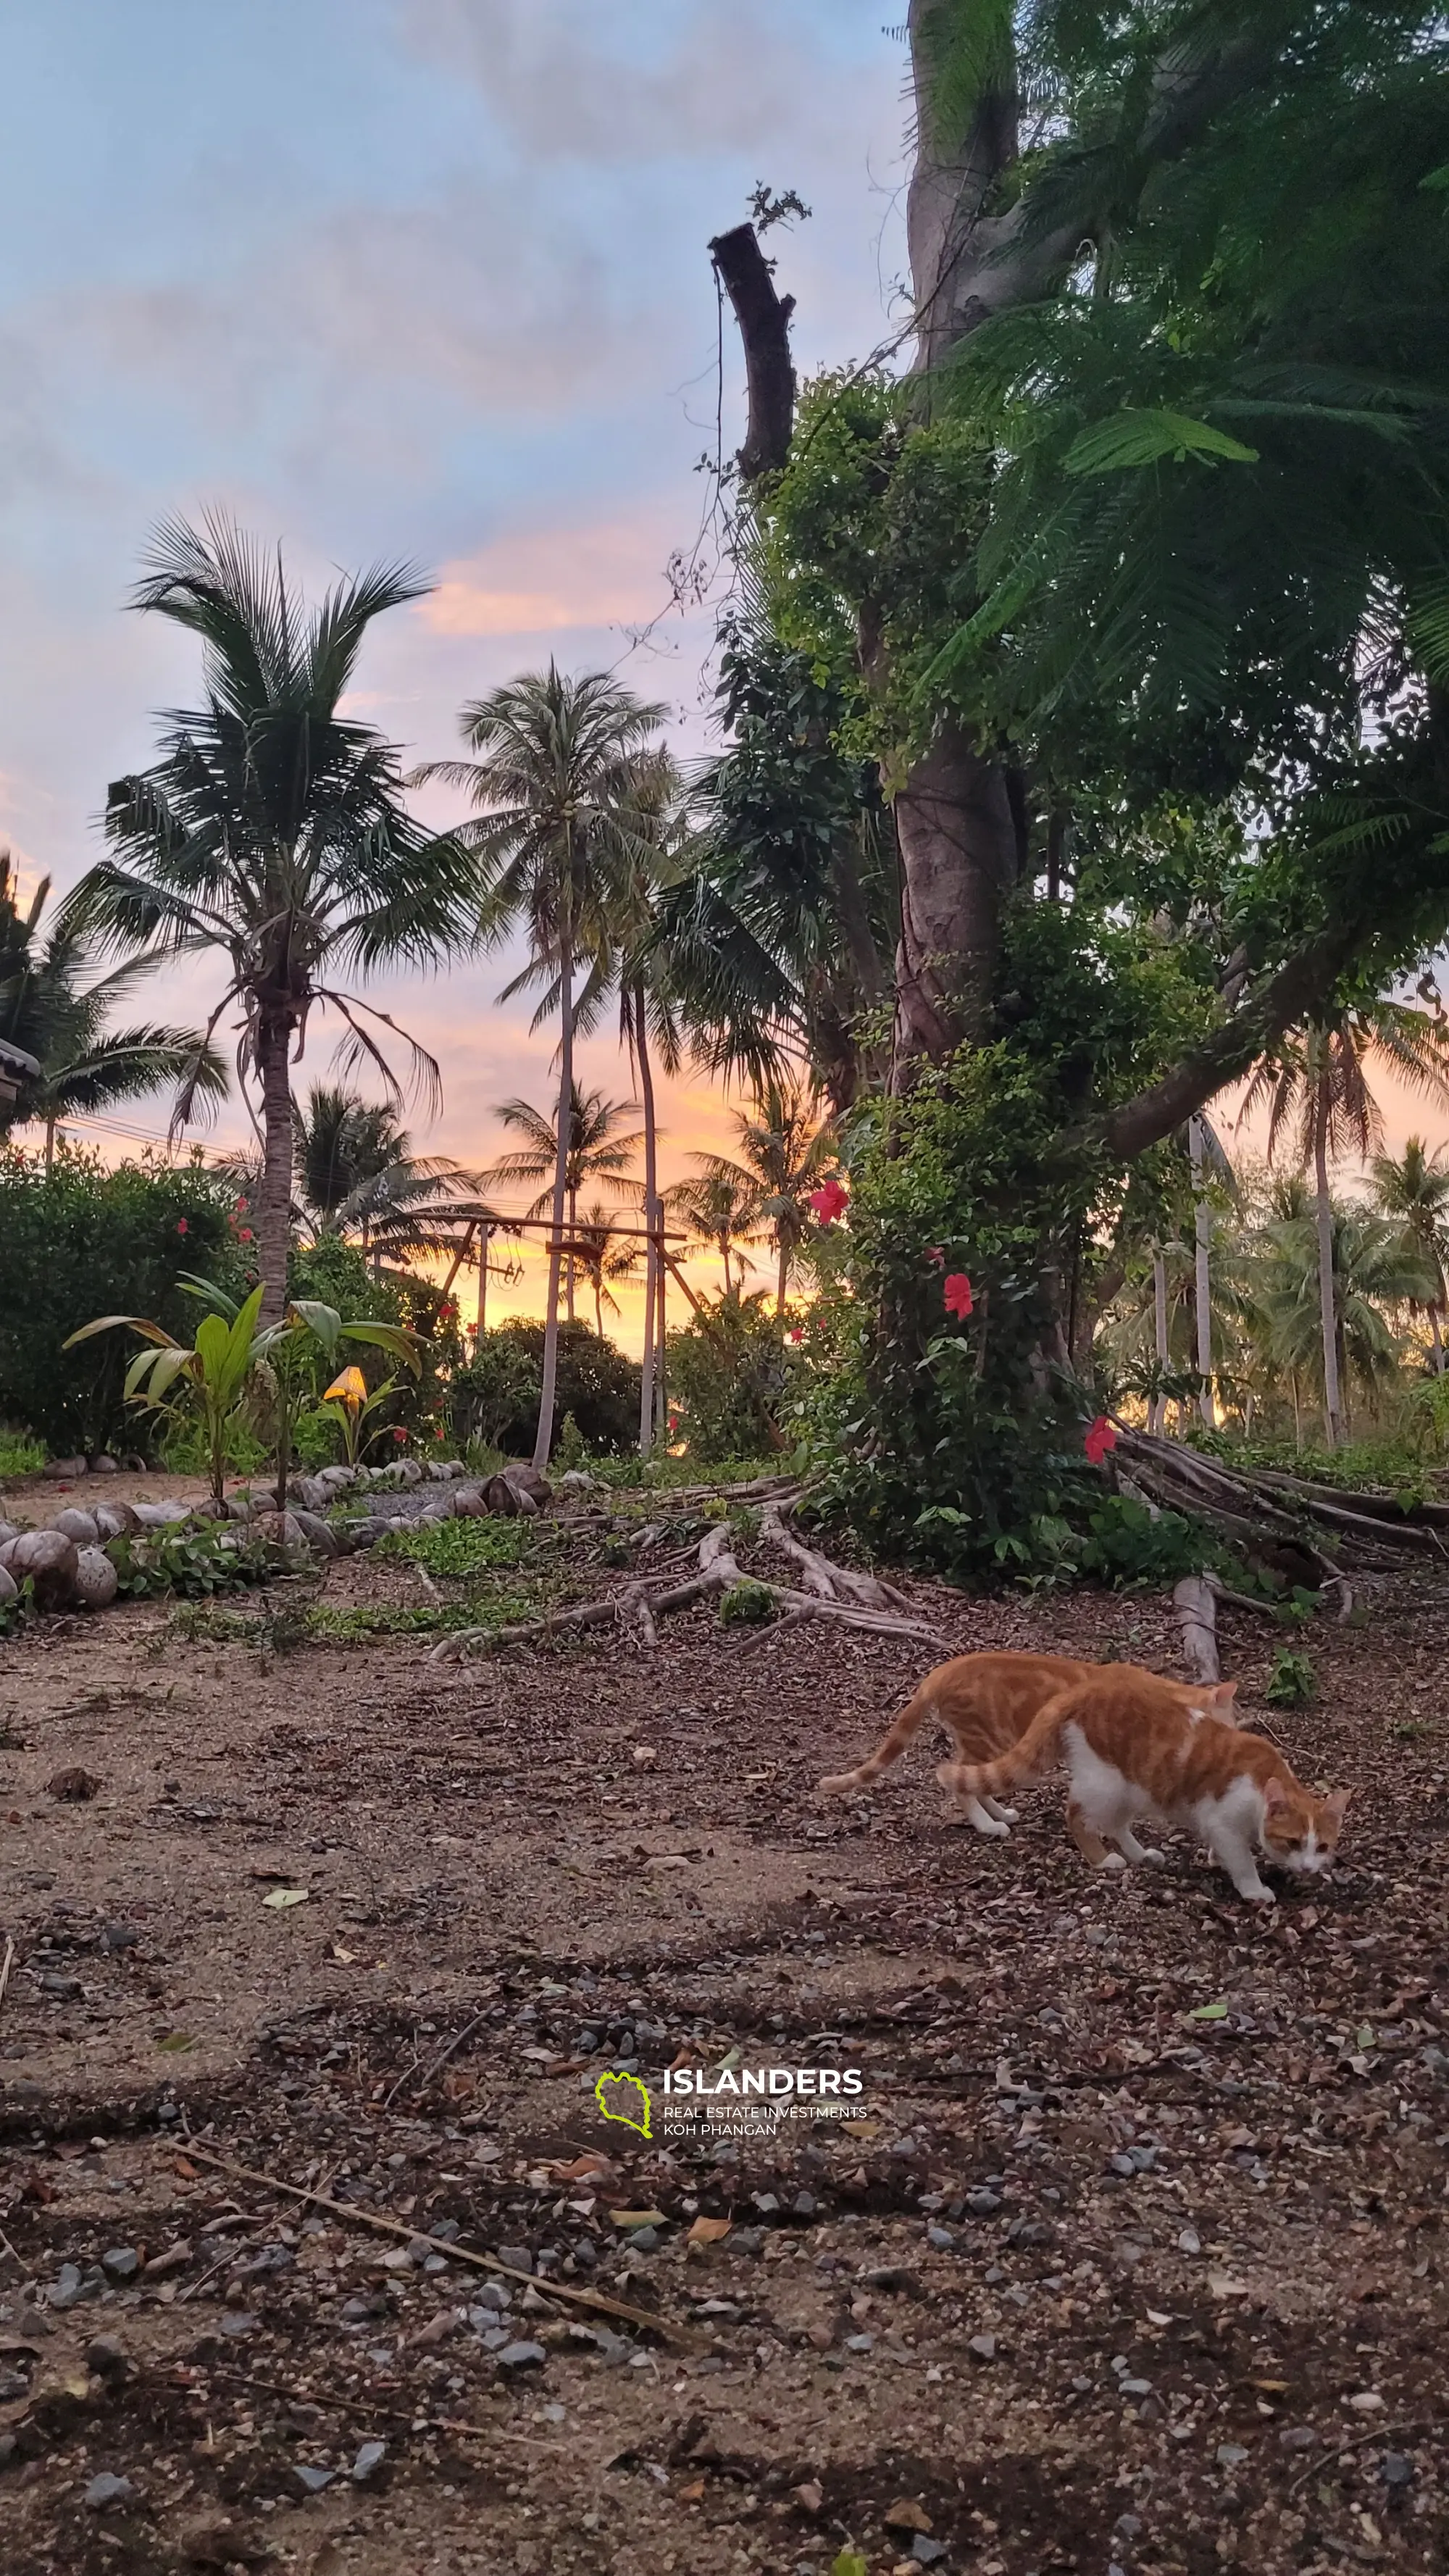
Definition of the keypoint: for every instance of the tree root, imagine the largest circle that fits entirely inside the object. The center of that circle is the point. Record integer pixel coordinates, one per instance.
(637, 1609)
(1253, 1504)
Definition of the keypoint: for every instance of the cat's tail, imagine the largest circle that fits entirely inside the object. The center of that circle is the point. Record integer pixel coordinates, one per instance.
(890, 1748)
(1021, 1761)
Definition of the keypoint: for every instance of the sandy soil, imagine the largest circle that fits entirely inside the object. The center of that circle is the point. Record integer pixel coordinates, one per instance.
(1093, 2284)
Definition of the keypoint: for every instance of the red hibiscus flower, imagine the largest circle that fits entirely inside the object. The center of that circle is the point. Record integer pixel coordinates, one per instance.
(958, 1296)
(1099, 1439)
(245, 1235)
(796, 1335)
(936, 1257)
(829, 1201)
(181, 1226)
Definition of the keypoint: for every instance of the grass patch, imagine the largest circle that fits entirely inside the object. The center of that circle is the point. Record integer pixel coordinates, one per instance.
(19, 1456)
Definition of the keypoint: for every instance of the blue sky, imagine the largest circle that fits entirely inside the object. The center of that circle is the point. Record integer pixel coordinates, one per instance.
(396, 277)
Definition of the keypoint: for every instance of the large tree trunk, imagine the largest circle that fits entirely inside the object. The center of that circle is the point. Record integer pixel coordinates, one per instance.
(274, 1198)
(544, 1443)
(958, 859)
(653, 1220)
(1327, 1300)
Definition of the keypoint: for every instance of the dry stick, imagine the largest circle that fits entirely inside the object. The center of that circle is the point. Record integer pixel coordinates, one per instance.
(822, 1575)
(1340, 2450)
(443, 2054)
(352, 2217)
(386, 2414)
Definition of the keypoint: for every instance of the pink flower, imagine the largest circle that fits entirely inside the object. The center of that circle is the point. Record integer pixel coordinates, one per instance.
(957, 1293)
(1099, 1439)
(829, 1201)
(181, 1226)
(245, 1235)
(936, 1257)
(796, 1335)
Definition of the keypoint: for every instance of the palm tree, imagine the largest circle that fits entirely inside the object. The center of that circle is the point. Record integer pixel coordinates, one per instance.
(597, 1154)
(1375, 1269)
(553, 836)
(720, 1209)
(1315, 1083)
(784, 1149)
(1413, 1193)
(273, 828)
(649, 1014)
(50, 1010)
(341, 1142)
(603, 1253)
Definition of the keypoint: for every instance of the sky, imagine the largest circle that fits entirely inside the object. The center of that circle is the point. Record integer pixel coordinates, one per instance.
(405, 278)
(417, 278)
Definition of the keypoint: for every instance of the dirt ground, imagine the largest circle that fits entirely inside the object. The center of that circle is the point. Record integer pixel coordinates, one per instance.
(1134, 2261)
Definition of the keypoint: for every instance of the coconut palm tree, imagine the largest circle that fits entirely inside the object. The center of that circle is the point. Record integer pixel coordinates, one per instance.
(273, 829)
(603, 1253)
(1412, 1191)
(721, 1210)
(552, 836)
(1375, 1270)
(56, 1011)
(1315, 1085)
(784, 1149)
(597, 1155)
(342, 1142)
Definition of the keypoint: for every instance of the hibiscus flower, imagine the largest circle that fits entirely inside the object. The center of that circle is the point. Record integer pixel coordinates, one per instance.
(1099, 1439)
(829, 1201)
(958, 1296)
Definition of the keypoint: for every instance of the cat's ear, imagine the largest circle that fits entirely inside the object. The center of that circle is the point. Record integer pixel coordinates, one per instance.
(1337, 1805)
(1225, 1693)
(1274, 1793)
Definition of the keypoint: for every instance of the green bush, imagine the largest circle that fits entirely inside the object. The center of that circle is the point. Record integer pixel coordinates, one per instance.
(495, 1398)
(1291, 1681)
(82, 1242)
(746, 1605)
(19, 1456)
(735, 1373)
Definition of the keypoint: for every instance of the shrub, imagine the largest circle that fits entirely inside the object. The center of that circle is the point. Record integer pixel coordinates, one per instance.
(1291, 1680)
(81, 1242)
(495, 1398)
(746, 1605)
(735, 1375)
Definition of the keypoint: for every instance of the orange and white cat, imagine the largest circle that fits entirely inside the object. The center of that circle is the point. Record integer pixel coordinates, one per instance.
(1134, 1750)
(987, 1702)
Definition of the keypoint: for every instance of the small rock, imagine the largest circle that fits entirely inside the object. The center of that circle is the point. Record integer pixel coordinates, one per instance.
(983, 2203)
(1297, 2437)
(369, 2459)
(517, 2257)
(122, 2262)
(118, 1936)
(72, 1786)
(437, 2329)
(860, 2343)
(906, 2515)
(810, 2498)
(984, 2347)
(1135, 2387)
(239, 2323)
(1228, 2454)
(96, 1579)
(68, 2289)
(108, 2490)
(1395, 2470)
(312, 2481)
(104, 1465)
(941, 2240)
(926, 2552)
(106, 2358)
(1189, 2242)
(644, 2240)
(494, 2295)
(366, 2304)
(1366, 2401)
(521, 2356)
(66, 1990)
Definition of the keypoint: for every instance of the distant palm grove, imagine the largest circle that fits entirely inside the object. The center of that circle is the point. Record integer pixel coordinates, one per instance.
(1060, 902)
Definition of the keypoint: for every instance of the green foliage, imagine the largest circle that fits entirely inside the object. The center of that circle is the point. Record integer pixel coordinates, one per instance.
(1291, 1681)
(1125, 1546)
(192, 1562)
(569, 1449)
(746, 1605)
(496, 1397)
(85, 1239)
(19, 1456)
(734, 1373)
(460, 1548)
(185, 1448)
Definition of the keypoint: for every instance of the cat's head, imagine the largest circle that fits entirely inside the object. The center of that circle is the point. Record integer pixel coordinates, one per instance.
(1300, 1831)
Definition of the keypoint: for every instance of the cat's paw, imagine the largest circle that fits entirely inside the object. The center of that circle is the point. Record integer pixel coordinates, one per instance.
(1257, 1896)
(1157, 1858)
(998, 1833)
(1009, 1815)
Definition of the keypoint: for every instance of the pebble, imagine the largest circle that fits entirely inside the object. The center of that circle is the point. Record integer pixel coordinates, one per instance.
(517, 2257)
(369, 2459)
(860, 2343)
(941, 2239)
(926, 2552)
(494, 2295)
(67, 1990)
(1297, 2437)
(644, 2240)
(1395, 2470)
(108, 2490)
(983, 2203)
(67, 2290)
(984, 2347)
(314, 2480)
(122, 2262)
(1228, 2454)
(1189, 2242)
(521, 2356)
(118, 1936)
(239, 2324)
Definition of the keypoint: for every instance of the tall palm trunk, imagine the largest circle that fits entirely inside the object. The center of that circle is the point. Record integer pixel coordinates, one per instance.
(544, 1442)
(653, 1222)
(1158, 1414)
(724, 1254)
(1202, 1271)
(782, 1277)
(569, 1259)
(274, 1201)
(1328, 1304)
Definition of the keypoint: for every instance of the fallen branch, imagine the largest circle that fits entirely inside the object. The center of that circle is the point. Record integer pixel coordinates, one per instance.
(353, 2217)
(368, 2408)
(829, 1581)
(719, 1572)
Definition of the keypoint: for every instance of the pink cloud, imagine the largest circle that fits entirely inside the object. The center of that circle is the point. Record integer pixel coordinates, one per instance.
(542, 580)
